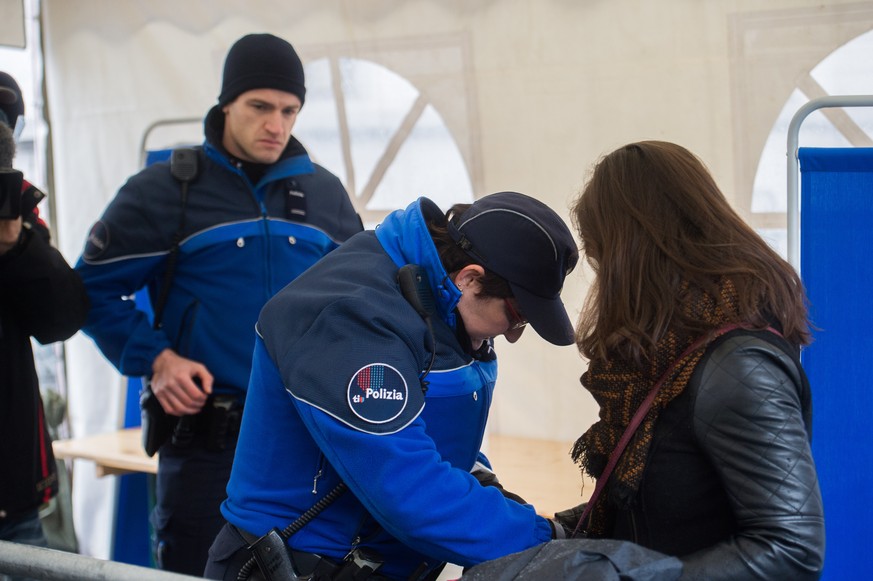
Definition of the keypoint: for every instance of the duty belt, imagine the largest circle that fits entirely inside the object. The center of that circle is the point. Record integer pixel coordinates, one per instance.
(307, 565)
(216, 425)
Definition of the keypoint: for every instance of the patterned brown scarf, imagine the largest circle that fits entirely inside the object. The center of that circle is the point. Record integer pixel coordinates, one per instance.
(619, 387)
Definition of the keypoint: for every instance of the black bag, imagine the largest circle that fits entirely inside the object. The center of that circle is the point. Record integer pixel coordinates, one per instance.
(580, 560)
(157, 425)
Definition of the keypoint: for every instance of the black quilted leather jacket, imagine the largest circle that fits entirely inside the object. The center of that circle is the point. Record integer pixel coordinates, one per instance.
(730, 485)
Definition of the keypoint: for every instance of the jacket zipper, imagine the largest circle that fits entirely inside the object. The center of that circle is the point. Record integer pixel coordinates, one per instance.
(319, 472)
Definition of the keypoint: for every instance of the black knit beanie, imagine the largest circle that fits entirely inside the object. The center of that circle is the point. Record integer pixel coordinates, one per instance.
(261, 61)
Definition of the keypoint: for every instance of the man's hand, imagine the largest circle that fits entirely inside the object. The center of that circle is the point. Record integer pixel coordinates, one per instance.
(175, 383)
(10, 232)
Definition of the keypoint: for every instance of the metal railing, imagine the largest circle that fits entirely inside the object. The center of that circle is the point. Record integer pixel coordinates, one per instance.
(19, 560)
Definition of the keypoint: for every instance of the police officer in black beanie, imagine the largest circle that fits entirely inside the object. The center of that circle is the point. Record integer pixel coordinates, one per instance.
(257, 213)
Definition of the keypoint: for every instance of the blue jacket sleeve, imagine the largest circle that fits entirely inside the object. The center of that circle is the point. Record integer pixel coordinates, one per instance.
(125, 250)
(424, 502)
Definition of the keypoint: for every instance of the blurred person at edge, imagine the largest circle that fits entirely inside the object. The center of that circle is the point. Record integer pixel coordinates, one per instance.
(362, 380)
(40, 297)
(258, 213)
(720, 472)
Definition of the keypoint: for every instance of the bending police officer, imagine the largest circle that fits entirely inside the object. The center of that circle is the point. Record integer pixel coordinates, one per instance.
(346, 358)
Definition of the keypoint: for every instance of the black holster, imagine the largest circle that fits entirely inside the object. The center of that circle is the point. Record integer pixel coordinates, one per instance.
(157, 425)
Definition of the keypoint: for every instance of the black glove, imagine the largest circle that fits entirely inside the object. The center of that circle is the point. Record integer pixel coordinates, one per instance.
(569, 518)
(488, 478)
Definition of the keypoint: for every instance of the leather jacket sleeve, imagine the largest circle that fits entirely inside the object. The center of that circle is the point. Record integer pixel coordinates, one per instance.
(748, 419)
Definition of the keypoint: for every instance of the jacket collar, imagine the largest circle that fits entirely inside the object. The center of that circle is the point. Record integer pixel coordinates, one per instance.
(405, 237)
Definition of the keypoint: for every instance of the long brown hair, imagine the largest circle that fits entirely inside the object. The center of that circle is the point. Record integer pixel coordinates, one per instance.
(651, 218)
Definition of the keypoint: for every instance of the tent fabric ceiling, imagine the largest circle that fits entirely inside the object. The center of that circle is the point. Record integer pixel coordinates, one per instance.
(12, 23)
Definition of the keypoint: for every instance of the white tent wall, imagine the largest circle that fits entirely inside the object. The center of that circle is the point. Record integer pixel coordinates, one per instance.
(544, 89)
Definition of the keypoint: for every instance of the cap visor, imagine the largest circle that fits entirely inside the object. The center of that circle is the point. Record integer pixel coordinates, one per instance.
(548, 317)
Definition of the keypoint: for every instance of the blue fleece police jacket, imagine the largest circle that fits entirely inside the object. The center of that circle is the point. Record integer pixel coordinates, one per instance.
(242, 242)
(339, 393)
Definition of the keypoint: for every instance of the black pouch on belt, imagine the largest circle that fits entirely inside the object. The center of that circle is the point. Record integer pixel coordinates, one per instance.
(272, 557)
(222, 415)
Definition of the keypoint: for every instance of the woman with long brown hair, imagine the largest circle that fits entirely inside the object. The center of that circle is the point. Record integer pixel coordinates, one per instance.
(691, 306)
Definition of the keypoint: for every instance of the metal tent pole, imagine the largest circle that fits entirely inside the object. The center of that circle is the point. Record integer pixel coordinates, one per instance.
(793, 163)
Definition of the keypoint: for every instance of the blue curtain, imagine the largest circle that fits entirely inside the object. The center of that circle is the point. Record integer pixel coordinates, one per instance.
(836, 243)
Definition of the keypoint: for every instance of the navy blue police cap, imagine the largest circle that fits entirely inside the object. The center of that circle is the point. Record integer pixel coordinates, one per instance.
(526, 243)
